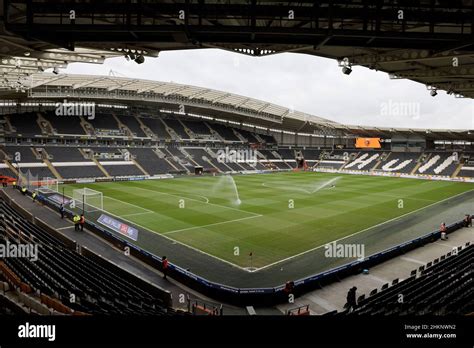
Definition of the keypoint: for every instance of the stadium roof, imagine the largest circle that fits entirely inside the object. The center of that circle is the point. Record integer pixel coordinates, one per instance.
(152, 95)
(205, 101)
(429, 41)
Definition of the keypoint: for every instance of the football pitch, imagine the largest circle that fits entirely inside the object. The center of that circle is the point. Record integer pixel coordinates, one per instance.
(271, 216)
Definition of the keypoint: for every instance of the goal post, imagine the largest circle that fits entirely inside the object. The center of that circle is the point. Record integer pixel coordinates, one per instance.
(87, 199)
(48, 185)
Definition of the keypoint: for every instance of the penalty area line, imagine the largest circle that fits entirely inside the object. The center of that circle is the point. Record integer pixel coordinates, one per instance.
(214, 224)
(170, 239)
(364, 230)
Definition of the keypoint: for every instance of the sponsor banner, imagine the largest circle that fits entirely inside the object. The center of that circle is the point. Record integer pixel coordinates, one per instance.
(398, 175)
(85, 181)
(129, 178)
(118, 226)
(162, 176)
(59, 199)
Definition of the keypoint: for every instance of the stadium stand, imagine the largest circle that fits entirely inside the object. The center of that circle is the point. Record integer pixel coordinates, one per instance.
(25, 124)
(99, 286)
(445, 287)
(287, 154)
(205, 159)
(132, 124)
(64, 124)
(70, 163)
(156, 126)
(198, 130)
(177, 127)
(29, 161)
(400, 162)
(439, 163)
(249, 136)
(225, 132)
(150, 161)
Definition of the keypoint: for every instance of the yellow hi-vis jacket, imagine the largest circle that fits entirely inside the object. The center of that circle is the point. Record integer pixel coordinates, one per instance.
(76, 219)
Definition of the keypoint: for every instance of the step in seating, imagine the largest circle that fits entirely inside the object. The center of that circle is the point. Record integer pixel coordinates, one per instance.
(99, 287)
(443, 287)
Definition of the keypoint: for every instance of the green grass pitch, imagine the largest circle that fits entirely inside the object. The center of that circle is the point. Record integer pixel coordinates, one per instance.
(280, 215)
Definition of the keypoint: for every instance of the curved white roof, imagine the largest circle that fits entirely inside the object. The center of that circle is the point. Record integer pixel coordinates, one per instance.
(192, 94)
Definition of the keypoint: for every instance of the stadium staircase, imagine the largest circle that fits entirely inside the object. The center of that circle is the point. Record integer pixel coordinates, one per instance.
(88, 128)
(139, 166)
(188, 156)
(240, 136)
(10, 127)
(45, 157)
(123, 127)
(148, 132)
(6, 160)
(457, 170)
(188, 131)
(97, 163)
(170, 131)
(259, 138)
(164, 157)
(45, 125)
(214, 133)
(174, 160)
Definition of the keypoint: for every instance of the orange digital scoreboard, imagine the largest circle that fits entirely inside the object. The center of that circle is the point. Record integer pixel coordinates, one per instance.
(368, 143)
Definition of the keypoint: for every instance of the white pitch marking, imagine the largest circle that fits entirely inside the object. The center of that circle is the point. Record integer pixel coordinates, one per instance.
(214, 224)
(174, 241)
(133, 205)
(353, 234)
(196, 200)
(142, 213)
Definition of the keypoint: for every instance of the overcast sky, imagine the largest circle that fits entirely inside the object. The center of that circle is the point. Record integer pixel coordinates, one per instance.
(305, 83)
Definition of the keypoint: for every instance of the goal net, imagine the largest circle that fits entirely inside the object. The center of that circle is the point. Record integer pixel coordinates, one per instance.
(48, 185)
(88, 199)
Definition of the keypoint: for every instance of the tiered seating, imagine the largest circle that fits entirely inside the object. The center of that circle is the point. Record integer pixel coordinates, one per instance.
(28, 162)
(287, 154)
(70, 163)
(248, 135)
(225, 132)
(311, 154)
(115, 162)
(197, 127)
(177, 127)
(445, 287)
(4, 170)
(133, 125)
(364, 161)
(198, 154)
(149, 160)
(65, 124)
(179, 158)
(22, 227)
(467, 172)
(400, 162)
(269, 139)
(439, 164)
(274, 159)
(156, 127)
(99, 286)
(105, 124)
(26, 124)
